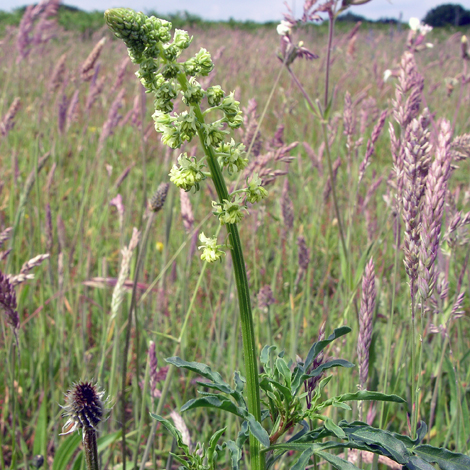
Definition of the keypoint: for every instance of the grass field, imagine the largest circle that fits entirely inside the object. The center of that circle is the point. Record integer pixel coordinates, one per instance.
(80, 158)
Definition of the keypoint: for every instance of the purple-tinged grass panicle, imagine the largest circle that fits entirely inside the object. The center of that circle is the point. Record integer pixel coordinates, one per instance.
(452, 235)
(371, 144)
(155, 375)
(57, 75)
(120, 74)
(327, 190)
(349, 123)
(366, 314)
(287, 207)
(408, 97)
(25, 274)
(186, 211)
(48, 230)
(62, 111)
(85, 409)
(95, 89)
(416, 162)
(86, 70)
(5, 235)
(433, 211)
(36, 26)
(112, 120)
(8, 304)
(120, 179)
(252, 137)
(159, 197)
(265, 297)
(8, 121)
(460, 147)
(303, 259)
(50, 177)
(117, 203)
(61, 234)
(72, 110)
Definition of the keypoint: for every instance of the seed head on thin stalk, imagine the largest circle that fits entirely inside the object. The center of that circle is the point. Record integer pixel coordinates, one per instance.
(85, 409)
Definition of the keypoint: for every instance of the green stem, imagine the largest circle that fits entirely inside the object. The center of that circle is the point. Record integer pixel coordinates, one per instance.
(246, 316)
(90, 448)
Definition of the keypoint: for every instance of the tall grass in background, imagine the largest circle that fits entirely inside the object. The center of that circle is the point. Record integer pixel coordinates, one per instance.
(80, 158)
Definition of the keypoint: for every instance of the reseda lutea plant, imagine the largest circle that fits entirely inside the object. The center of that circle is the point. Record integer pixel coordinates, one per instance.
(149, 44)
(292, 391)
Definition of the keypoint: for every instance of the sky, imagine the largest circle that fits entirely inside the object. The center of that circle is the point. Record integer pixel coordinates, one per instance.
(256, 10)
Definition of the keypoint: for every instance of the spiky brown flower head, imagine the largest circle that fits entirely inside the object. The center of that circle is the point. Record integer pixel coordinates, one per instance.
(57, 76)
(84, 407)
(365, 322)
(158, 199)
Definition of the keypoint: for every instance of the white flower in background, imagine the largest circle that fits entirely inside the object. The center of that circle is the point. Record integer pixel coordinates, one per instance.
(429, 45)
(387, 74)
(425, 29)
(284, 28)
(414, 24)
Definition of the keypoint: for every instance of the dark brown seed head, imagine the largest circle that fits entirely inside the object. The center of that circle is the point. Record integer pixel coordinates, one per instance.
(84, 407)
(158, 199)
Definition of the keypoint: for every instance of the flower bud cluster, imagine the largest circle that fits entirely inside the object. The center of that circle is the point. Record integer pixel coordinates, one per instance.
(188, 173)
(210, 250)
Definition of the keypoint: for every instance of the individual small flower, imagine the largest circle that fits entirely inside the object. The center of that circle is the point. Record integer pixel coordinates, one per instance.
(214, 134)
(387, 75)
(188, 124)
(188, 174)
(84, 407)
(214, 95)
(284, 28)
(194, 94)
(171, 136)
(230, 107)
(232, 156)
(230, 212)
(211, 251)
(162, 121)
(204, 62)
(255, 192)
(414, 24)
(181, 39)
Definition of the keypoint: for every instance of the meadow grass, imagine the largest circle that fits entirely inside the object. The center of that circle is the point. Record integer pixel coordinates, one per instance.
(68, 330)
